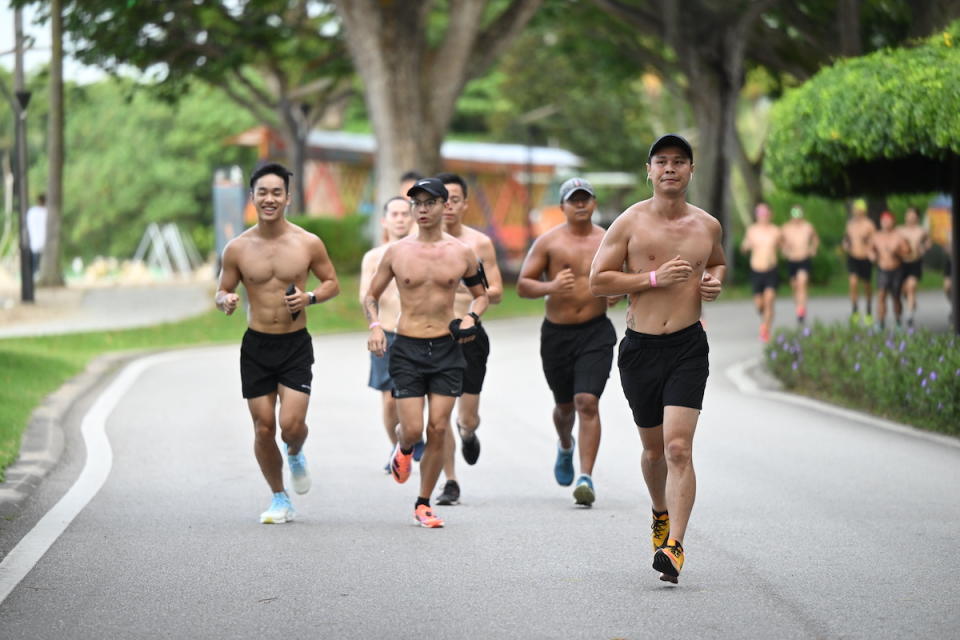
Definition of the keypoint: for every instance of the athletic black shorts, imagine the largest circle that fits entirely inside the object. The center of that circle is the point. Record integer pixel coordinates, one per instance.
(271, 359)
(763, 280)
(914, 269)
(475, 353)
(796, 266)
(577, 357)
(860, 267)
(663, 370)
(420, 366)
(380, 367)
(890, 280)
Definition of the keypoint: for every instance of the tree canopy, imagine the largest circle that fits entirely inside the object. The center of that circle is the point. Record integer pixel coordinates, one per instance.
(884, 123)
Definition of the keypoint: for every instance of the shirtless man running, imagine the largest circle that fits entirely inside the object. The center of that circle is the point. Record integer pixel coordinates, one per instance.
(857, 239)
(799, 242)
(276, 354)
(887, 250)
(576, 338)
(918, 243)
(426, 359)
(667, 256)
(762, 240)
(397, 220)
(476, 350)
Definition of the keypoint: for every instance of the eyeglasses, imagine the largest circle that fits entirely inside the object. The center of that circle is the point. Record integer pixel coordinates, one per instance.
(429, 204)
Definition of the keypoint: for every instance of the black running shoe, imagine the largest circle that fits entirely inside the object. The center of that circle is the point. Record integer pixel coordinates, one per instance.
(470, 446)
(450, 494)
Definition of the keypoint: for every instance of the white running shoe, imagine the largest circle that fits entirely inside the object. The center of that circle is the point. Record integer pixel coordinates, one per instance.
(299, 474)
(280, 510)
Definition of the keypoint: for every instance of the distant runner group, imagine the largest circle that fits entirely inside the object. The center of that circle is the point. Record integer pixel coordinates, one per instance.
(424, 292)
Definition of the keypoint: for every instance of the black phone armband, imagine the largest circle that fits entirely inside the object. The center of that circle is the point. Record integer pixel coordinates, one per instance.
(480, 277)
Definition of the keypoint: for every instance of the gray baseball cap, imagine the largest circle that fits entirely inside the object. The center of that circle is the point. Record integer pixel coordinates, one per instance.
(573, 185)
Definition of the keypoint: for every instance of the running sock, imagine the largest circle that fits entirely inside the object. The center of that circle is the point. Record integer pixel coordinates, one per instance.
(657, 514)
(406, 451)
(854, 308)
(421, 501)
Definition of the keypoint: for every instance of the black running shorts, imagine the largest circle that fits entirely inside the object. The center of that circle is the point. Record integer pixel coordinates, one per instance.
(271, 359)
(420, 366)
(913, 269)
(475, 353)
(762, 280)
(380, 367)
(796, 266)
(663, 370)
(860, 267)
(577, 357)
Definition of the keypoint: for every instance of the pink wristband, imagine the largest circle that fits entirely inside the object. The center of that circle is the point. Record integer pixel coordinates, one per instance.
(653, 278)
(373, 324)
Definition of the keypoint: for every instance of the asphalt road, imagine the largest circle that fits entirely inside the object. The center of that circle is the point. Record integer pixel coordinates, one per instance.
(807, 525)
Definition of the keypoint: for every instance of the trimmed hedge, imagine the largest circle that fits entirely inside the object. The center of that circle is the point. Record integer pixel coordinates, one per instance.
(887, 122)
(345, 239)
(911, 376)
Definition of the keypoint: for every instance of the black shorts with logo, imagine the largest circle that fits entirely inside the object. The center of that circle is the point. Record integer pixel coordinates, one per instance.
(663, 370)
(271, 359)
(890, 280)
(420, 366)
(763, 280)
(913, 269)
(476, 352)
(577, 357)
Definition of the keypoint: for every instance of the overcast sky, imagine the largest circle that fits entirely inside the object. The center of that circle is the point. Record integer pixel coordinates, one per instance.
(40, 55)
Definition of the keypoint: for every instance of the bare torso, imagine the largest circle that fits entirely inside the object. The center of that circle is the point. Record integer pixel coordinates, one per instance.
(654, 241)
(859, 236)
(798, 240)
(565, 249)
(390, 299)
(267, 266)
(888, 246)
(427, 276)
(762, 240)
(916, 238)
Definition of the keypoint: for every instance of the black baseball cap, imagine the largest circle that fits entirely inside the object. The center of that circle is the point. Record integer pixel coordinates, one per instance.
(671, 140)
(432, 186)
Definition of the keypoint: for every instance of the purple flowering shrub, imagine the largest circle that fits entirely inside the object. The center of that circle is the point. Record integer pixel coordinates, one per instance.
(912, 376)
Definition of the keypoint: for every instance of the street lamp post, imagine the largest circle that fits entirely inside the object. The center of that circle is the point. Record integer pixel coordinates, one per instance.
(22, 99)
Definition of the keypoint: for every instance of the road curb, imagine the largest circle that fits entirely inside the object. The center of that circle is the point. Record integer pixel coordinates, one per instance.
(752, 377)
(43, 440)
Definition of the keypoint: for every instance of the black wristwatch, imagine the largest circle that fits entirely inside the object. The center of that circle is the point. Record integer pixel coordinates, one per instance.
(312, 296)
(476, 318)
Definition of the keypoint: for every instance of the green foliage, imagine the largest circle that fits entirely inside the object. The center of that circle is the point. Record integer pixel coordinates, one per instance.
(913, 377)
(882, 123)
(344, 238)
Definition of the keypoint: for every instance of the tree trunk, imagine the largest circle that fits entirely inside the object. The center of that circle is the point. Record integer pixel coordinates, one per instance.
(751, 171)
(848, 25)
(51, 272)
(294, 135)
(411, 90)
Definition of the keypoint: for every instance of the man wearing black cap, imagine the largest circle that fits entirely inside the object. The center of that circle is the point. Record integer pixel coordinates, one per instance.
(667, 256)
(577, 338)
(426, 358)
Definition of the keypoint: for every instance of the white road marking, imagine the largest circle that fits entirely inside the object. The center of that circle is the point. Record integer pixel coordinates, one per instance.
(739, 376)
(23, 557)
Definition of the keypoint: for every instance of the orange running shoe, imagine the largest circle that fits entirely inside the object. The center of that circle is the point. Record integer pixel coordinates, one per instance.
(661, 529)
(668, 560)
(401, 464)
(425, 517)
(764, 333)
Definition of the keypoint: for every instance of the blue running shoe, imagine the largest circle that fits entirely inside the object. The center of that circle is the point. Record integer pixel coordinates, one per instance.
(299, 474)
(583, 493)
(563, 468)
(280, 510)
(418, 450)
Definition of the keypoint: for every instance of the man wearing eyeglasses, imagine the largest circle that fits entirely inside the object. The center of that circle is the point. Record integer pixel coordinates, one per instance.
(426, 359)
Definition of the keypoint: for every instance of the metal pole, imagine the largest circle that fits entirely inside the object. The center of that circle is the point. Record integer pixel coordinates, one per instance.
(20, 113)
